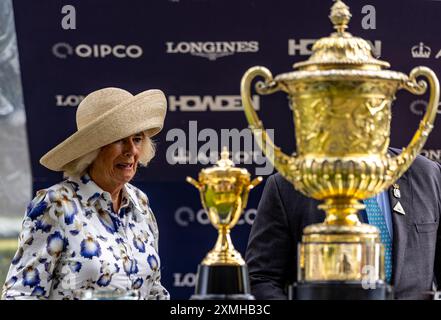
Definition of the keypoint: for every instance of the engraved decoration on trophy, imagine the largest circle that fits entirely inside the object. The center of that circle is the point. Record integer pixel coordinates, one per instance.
(224, 191)
(341, 100)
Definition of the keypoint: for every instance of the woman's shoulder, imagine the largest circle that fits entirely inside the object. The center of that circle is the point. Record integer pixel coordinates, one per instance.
(52, 193)
(46, 198)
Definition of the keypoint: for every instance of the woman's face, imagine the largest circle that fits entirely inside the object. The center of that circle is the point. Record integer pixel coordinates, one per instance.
(117, 162)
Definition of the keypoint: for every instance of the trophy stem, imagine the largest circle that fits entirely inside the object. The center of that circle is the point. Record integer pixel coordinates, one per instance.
(342, 211)
(223, 252)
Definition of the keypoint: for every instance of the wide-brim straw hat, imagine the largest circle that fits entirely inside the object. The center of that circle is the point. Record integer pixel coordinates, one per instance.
(105, 116)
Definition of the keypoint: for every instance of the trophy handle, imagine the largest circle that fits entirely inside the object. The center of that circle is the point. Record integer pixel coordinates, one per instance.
(255, 182)
(193, 182)
(280, 160)
(409, 153)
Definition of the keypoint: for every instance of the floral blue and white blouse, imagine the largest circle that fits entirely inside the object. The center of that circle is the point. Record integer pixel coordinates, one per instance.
(72, 241)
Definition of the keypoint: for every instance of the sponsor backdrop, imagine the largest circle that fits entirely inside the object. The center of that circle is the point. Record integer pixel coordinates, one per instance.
(197, 51)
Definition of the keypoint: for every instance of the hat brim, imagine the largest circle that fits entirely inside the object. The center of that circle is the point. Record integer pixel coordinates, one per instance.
(143, 112)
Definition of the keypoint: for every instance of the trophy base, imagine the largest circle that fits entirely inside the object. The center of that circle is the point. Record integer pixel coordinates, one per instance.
(222, 283)
(339, 290)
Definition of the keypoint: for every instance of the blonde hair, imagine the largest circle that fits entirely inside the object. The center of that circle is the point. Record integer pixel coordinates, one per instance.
(78, 167)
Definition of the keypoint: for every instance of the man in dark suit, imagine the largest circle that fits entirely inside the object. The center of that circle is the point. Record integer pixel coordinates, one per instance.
(414, 213)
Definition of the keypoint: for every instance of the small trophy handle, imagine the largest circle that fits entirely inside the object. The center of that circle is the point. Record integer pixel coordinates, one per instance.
(409, 153)
(254, 182)
(195, 183)
(280, 160)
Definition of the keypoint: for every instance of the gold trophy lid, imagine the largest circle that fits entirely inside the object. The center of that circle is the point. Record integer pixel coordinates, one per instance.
(341, 49)
(223, 167)
(340, 56)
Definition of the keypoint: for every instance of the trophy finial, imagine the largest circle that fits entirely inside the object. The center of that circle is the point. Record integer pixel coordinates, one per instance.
(340, 16)
(225, 154)
(225, 159)
(341, 50)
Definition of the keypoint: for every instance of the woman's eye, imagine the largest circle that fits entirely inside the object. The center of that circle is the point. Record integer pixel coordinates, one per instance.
(137, 140)
(116, 142)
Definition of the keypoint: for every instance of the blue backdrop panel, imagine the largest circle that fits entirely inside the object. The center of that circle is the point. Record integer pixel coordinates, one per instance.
(137, 45)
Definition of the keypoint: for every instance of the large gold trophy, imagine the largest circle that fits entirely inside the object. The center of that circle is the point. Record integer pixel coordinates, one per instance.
(341, 100)
(224, 191)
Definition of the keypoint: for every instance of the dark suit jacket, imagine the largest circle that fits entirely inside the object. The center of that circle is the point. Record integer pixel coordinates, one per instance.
(283, 213)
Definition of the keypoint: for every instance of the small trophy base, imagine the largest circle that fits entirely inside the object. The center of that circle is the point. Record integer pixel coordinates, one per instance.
(339, 290)
(222, 283)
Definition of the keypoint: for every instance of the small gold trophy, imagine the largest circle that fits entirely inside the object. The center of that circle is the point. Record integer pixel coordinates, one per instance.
(341, 100)
(224, 191)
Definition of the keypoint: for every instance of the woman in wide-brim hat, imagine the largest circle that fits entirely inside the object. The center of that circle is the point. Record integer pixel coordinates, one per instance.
(95, 231)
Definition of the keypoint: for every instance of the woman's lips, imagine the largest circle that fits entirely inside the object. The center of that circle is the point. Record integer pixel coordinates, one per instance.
(125, 166)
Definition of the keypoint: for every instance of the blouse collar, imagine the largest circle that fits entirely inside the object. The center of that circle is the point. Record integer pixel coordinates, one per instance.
(89, 192)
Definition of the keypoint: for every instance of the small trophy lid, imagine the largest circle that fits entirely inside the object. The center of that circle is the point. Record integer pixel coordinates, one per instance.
(223, 167)
(341, 50)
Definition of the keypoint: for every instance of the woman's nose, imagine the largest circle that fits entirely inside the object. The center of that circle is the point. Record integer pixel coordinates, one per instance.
(129, 148)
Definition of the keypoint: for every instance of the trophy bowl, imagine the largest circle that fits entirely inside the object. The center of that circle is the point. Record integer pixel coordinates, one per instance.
(341, 100)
